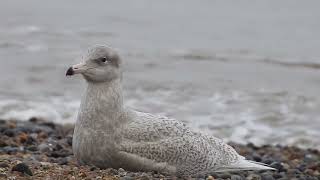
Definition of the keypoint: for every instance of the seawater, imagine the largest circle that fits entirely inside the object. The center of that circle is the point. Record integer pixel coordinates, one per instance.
(243, 71)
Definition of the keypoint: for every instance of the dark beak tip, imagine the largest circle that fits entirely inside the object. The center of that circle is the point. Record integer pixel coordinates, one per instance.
(70, 72)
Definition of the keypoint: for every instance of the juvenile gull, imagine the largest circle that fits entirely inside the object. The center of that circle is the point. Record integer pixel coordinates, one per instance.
(107, 134)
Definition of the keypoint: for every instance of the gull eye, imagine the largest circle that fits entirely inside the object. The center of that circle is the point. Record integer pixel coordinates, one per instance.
(104, 59)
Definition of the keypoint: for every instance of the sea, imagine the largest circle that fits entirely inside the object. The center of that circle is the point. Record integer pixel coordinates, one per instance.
(244, 71)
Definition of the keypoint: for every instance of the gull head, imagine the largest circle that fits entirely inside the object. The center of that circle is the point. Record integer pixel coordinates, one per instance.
(102, 64)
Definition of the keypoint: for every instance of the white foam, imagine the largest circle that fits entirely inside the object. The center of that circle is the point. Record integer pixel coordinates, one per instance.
(232, 115)
(56, 110)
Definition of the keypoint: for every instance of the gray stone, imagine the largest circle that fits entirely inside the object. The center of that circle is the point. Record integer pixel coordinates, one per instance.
(236, 177)
(254, 177)
(267, 177)
(126, 178)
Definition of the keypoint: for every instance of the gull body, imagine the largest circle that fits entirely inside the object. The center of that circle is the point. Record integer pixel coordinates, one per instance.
(109, 135)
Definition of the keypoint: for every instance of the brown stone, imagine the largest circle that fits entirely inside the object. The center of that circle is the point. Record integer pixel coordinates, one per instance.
(23, 137)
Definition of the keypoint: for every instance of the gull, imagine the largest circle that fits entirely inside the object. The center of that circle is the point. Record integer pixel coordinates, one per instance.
(109, 135)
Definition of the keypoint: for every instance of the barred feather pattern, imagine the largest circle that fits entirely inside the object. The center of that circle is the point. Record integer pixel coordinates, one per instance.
(163, 139)
(109, 135)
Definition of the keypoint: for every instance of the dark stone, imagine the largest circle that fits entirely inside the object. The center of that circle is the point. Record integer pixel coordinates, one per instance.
(112, 171)
(23, 168)
(225, 175)
(61, 153)
(278, 166)
(58, 147)
(294, 171)
(251, 145)
(267, 177)
(49, 124)
(256, 157)
(69, 140)
(3, 143)
(215, 175)
(267, 161)
(9, 132)
(277, 175)
(3, 176)
(63, 161)
(3, 165)
(32, 148)
(31, 128)
(30, 140)
(33, 119)
(314, 166)
(2, 129)
(302, 167)
(10, 150)
(25, 129)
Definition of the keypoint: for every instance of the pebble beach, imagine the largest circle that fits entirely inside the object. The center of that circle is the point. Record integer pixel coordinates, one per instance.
(38, 149)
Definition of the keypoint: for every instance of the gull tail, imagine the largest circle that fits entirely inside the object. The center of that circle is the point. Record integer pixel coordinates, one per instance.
(245, 165)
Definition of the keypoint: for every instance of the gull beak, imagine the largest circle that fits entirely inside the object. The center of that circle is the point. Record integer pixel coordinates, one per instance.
(77, 69)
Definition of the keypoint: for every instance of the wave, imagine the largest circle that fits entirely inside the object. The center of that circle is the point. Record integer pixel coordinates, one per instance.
(261, 117)
(198, 55)
(56, 110)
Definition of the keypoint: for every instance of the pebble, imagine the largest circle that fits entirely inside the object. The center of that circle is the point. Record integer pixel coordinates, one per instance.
(131, 174)
(3, 175)
(23, 137)
(9, 132)
(69, 140)
(62, 161)
(23, 168)
(126, 178)
(2, 121)
(254, 177)
(3, 165)
(112, 171)
(225, 175)
(44, 148)
(236, 177)
(61, 153)
(267, 161)
(277, 166)
(10, 150)
(49, 124)
(267, 177)
(32, 148)
(47, 148)
(256, 157)
(122, 172)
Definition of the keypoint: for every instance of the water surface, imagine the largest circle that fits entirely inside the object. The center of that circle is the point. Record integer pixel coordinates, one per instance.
(246, 71)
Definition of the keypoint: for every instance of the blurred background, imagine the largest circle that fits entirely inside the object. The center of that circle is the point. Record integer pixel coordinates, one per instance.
(245, 71)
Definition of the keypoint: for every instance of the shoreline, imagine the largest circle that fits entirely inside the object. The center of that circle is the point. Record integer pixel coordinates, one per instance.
(38, 149)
